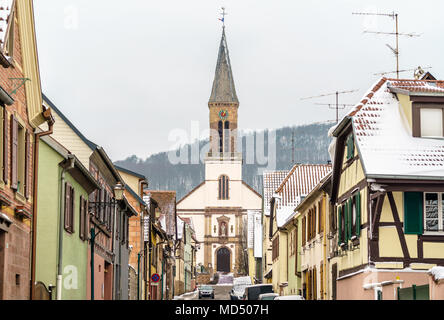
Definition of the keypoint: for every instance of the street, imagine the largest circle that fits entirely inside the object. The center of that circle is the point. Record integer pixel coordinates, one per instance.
(221, 292)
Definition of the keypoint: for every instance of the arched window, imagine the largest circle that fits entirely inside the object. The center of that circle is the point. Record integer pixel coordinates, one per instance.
(227, 136)
(221, 136)
(223, 188)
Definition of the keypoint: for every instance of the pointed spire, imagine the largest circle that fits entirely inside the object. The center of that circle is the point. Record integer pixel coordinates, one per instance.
(223, 86)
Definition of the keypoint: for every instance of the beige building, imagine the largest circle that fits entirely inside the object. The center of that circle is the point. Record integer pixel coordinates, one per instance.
(218, 206)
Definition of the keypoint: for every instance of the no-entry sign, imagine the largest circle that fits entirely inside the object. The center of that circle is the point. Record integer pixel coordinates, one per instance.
(155, 278)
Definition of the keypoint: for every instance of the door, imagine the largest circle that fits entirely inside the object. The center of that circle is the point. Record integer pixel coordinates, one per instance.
(223, 260)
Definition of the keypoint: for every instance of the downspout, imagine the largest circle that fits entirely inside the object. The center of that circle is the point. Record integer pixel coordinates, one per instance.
(61, 226)
(50, 121)
(325, 273)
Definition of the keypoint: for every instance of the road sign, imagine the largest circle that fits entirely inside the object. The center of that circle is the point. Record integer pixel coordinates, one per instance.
(155, 278)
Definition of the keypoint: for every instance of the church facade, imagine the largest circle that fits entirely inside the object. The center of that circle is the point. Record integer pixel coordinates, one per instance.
(219, 205)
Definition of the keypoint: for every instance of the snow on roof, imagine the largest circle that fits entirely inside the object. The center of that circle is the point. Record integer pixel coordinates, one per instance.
(299, 182)
(384, 137)
(272, 181)
(5, 11)
(437, 273)
(284, 214)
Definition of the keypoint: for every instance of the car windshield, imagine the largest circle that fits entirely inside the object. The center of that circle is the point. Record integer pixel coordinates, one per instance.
(268, 298)
(206, 288)
(240, 287)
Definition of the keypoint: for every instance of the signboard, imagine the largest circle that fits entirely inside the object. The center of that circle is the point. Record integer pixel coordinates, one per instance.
(155, 278)
(146, 228)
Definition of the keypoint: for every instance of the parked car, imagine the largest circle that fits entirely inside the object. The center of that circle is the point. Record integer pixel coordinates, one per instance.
(268, 296)
(239, 285)
(206, 291)
(294, 297)
(253, 292)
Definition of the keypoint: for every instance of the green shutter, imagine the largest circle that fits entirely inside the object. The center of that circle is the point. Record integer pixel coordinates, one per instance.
(346, 237)
(358, 214)
(413, 212)
(350, 147)
(339, 225)
(350, 218)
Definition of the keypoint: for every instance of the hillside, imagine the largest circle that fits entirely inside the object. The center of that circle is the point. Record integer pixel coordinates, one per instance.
(311, 146)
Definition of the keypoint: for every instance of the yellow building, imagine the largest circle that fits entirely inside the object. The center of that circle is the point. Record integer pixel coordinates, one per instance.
(388, 172)
(296, 186)
(309, 243)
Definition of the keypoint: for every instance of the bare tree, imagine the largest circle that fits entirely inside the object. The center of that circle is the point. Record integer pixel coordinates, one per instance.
(243, 254)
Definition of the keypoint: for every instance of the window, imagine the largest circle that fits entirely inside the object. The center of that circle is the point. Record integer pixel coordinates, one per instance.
(428, 120)
(69, 208)
(350, 147)
(275, 252)
(223, 188)
(433, 211)
(431, 122)
(221, 135)
(304, 230)
(227, 136)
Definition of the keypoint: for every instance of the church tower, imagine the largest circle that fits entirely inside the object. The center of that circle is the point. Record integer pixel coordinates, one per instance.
(223, 106)
(218, 206)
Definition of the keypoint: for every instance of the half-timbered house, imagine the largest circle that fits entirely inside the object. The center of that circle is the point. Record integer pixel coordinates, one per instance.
(387, 184)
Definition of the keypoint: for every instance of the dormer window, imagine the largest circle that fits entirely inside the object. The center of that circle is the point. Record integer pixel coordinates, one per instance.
(428, 120)
(431, 122)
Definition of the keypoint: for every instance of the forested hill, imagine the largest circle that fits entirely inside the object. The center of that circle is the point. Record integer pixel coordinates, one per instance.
(311, 147)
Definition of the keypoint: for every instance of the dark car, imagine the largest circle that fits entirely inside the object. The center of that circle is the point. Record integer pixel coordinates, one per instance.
(206, 291)
(253, 292)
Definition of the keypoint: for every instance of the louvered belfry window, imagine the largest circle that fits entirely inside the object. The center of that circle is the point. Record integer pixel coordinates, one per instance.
(223, 187)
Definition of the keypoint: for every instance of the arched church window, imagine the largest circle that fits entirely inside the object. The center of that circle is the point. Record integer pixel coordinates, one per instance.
(223, 188)
(221, 136)
(227, 136)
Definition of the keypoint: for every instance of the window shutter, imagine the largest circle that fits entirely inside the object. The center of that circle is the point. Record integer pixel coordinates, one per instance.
(296, 250)
(81, 220)
(304, 228)
(71, 210)
(14, 150)
(358, 214)
(27, 163)
(67, 204)
(340, 225)
(346, 222)
(315, 284)
(350, 218)
(5, 146)
(86, 219)
(413, 212)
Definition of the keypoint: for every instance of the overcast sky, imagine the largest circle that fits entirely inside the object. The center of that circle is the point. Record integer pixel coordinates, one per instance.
(126, 73)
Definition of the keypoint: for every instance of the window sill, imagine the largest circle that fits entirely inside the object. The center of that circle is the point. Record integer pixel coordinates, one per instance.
(433, 233)
(20, 197)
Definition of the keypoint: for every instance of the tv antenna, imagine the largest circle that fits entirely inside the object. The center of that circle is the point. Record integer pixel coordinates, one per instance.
(395, 50)
(336, 105)
(400, 71)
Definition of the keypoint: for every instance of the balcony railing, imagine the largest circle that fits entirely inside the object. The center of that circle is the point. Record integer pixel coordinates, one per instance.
(224, 156)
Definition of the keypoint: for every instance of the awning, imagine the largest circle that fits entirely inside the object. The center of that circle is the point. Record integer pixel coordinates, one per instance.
(269, 274)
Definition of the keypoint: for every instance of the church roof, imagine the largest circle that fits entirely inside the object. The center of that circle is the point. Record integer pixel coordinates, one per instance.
(223, 85)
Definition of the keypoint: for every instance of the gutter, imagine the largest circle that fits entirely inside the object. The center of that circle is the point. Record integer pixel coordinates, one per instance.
(5, 97)
(50, 120)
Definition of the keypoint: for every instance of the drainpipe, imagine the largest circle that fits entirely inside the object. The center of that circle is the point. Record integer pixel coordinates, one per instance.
(61, 226)
(325, 273)
(50, 120)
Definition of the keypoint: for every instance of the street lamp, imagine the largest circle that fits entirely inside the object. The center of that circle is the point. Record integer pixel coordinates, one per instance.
(118, 191)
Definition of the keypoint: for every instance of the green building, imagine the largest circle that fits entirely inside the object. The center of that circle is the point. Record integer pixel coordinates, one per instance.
(62, 222)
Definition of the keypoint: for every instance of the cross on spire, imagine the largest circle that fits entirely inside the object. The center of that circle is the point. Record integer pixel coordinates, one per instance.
(223, 14)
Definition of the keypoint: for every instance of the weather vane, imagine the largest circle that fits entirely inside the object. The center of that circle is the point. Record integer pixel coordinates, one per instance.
(223, 14)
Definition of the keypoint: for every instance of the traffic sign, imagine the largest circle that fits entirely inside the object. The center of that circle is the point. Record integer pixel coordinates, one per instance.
(155, 278)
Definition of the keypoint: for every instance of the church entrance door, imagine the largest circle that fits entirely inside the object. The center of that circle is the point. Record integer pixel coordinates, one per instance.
(223, 260)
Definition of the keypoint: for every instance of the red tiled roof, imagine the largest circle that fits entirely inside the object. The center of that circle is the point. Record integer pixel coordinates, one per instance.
(384, 139)
(300, 181)
(272, 181)
(5, 11)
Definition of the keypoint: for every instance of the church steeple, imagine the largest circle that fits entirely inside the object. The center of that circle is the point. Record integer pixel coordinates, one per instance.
(224, 90)
(223, 105)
